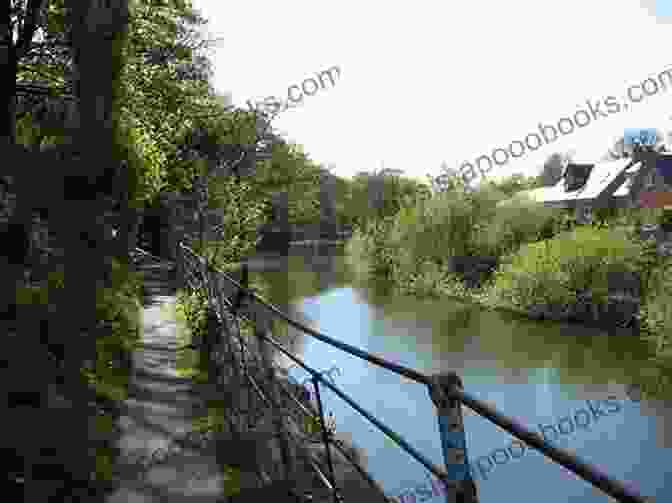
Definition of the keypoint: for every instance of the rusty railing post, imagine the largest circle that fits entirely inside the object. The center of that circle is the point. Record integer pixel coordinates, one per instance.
(327, 445)
(210, 338)
(179, 274)
(261, 329)
(245, 282)
(460, 487)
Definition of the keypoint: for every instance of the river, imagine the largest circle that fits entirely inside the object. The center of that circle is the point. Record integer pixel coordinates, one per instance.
(569, 378)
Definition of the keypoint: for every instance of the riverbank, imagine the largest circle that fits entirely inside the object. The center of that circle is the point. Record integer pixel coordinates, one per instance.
(558, 367)
(319, 242)
(619, 314)
(586, 314)
(525, 264)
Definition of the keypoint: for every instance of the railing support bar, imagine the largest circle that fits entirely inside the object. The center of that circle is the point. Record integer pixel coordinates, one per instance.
(576, 465)
(266, 356)
(460, 487)
(387, 431)
(209, 342)
(325, 439)
(612, 487)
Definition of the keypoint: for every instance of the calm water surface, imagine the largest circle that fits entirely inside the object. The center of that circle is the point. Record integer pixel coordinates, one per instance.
(539, 373)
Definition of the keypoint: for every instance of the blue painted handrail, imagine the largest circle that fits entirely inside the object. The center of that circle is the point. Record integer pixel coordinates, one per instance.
(447, 394)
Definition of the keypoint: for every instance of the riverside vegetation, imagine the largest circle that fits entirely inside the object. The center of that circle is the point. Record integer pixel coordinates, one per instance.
(70, 299)
(73, 191)
(526, 258)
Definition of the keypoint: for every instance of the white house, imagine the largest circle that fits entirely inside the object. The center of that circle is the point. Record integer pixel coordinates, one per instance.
(624, 182)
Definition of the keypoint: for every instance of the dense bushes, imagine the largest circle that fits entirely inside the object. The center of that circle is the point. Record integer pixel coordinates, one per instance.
(368, 197)
(191, 312)
(118, 309)
(514, 224)
(444, 244)
(589, 268)
(656, 312)
(118, 312)
(37, 361)
(554, 272)
(414, 248)
(540, 267)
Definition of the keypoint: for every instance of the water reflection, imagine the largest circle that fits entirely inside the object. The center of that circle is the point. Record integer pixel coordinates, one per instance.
(537, 372)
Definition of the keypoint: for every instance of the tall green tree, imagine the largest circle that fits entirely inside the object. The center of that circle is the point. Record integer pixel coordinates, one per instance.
(289, 169)
(219, 159)
(164, 83)
(76, 200)
(377, 195)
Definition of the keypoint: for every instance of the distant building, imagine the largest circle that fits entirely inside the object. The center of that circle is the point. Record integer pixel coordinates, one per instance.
(639, 181)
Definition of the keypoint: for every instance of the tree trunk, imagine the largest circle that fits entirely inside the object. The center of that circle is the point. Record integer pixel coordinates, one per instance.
(98, 31)
(75, 212)
(8, 70)
(9, 270)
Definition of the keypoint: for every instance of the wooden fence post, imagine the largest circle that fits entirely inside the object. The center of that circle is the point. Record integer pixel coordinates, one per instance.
(461, 487)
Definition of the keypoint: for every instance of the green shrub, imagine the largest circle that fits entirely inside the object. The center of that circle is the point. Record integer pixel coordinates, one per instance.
(656, 311)
(552, 272)
(118, 313)
(656, 317)
(434, 229)
(191, 310)
(369, 251)
(459, 224)
(513, 224)
(118, 307)
(357, 255)
(413, 247)
(444, 226)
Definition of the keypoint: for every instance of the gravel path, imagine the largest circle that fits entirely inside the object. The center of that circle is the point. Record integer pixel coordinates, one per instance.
(162, 459)
(155, 464)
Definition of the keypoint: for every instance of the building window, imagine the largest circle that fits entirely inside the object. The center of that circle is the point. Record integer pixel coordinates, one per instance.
(584, 214)
(576, 176)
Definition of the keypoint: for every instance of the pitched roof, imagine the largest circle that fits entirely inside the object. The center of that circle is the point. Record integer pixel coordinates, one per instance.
(602, 175)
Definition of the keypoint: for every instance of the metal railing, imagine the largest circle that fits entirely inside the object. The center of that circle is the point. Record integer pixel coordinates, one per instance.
(138, 254)
(445, 391)
(304, 407)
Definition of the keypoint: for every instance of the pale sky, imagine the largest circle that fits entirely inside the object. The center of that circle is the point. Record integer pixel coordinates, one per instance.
(427, 82)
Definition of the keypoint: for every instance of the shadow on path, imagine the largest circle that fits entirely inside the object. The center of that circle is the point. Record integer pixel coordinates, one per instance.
(153, 465)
